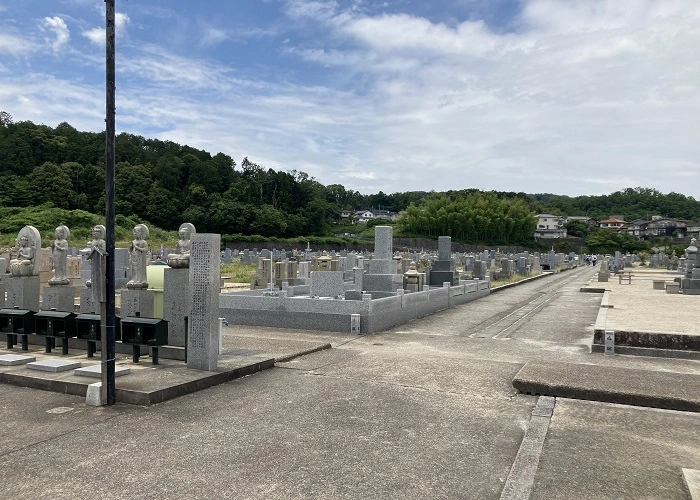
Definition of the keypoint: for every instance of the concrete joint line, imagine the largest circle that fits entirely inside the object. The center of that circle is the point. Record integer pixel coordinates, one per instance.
(521, 478)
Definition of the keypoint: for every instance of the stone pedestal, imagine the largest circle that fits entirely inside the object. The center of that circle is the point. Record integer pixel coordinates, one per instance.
(3, 289)
(87, 304)
(176, 293)
(60, 298)
(137, 303)
(442, 271)
(23, 293)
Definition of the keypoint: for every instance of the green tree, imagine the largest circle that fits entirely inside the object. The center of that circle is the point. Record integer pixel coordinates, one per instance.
(50, 183)
(578, 228)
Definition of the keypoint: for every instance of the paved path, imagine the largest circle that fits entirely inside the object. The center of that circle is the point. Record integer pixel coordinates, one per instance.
(425, 410)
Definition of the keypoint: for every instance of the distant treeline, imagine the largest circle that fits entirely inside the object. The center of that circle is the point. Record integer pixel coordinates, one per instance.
(165, 184)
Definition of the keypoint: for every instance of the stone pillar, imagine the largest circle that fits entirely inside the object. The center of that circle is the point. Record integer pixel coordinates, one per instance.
(203, 336)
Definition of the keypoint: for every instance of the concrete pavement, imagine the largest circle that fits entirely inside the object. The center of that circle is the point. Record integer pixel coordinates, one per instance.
(424, 410)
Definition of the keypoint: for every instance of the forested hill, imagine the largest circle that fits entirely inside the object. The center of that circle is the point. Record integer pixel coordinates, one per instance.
(165, 183)
(633, 204)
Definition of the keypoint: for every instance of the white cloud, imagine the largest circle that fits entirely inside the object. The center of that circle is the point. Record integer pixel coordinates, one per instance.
(59, 28)
(213, 36)
(579, 96)
(98, 36)
(582, 86)
(15, 45)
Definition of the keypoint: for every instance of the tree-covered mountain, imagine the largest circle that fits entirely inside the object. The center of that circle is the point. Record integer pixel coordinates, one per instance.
(633, 204)
(165, 183)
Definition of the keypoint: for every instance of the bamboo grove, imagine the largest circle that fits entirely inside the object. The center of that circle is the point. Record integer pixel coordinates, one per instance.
(475, 217)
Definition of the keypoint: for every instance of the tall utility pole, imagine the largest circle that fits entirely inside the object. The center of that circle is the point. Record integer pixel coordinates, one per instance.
(107, 312)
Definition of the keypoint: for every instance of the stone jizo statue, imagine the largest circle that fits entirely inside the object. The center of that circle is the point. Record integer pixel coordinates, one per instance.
(24, 261)
(139, 258)
(98, 264)
(180, 258)
(59, 252)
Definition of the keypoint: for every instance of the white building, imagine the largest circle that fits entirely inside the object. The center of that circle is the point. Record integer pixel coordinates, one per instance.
(550, 226)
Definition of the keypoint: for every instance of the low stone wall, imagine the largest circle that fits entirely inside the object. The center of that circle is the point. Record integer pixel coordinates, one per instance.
(304, 313)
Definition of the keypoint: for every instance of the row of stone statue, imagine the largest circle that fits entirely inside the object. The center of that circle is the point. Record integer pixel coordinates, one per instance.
(24, 261)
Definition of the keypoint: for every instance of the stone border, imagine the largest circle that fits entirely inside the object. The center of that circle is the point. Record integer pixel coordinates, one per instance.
(135, 397)
(628, 386)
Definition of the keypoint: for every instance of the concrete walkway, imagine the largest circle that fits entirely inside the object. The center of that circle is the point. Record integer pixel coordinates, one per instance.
(424, 410)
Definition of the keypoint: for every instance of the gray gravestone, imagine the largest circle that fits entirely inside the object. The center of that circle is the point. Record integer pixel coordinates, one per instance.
(383, 242)
(203, 337)
(176, 294)
(444, 247)
(327, 284)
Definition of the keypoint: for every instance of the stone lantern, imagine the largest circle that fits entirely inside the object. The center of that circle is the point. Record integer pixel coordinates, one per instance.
(412, 278)
(324, 262)
(691, 258)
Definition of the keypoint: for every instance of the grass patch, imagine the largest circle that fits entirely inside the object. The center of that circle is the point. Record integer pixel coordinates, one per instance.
(238, 273)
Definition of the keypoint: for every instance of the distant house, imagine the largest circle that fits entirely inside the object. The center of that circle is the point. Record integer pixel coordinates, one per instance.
(673, 228)
(613, 223)
(385, 214)
(550, 226)
(362, 216)
(692, 230)
(637, 228)
(345, 214)
(659, 227)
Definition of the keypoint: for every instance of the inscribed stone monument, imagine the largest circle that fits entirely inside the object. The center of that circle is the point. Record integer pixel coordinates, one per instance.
(205, 275)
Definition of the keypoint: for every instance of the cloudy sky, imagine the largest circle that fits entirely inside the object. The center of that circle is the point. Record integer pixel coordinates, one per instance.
(562, 96)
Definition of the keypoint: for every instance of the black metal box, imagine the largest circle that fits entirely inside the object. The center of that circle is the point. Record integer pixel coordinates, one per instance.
(144, 331)
(55, 323)
(19, 321)
(88, 327)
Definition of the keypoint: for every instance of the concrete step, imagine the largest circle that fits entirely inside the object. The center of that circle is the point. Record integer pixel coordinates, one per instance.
(631, 386)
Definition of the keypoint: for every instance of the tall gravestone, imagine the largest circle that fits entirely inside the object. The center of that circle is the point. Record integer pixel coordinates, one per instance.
(382, 278)
(176, 296)
(205, 275)
(442, 270)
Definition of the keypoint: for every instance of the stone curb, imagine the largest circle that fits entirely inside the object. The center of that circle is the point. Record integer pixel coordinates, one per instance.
(290, 357)
(136, 397)
(521, 282)
(666, 390)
